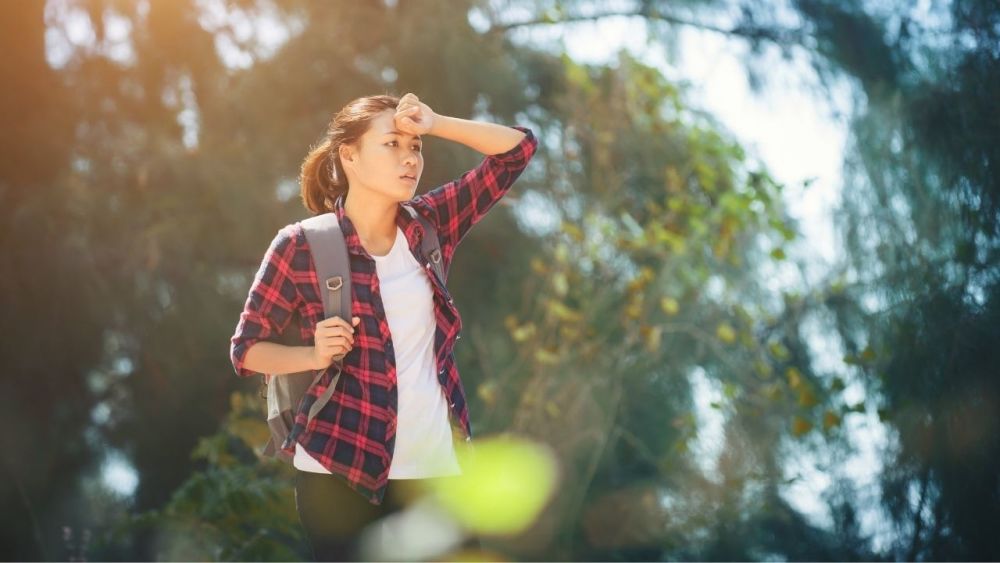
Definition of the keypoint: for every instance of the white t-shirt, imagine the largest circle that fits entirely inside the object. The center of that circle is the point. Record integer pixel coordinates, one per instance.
(424, 446)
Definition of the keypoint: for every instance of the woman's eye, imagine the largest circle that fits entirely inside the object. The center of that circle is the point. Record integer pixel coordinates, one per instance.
(416, 147)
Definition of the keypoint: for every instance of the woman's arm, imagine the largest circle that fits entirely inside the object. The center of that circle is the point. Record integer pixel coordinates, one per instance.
(417, 118)
(487, 138)
(461, 203)
(273, 358)
(458, 205)
(269, 308)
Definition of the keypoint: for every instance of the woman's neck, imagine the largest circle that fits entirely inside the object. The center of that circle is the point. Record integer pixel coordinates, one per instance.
(374, 219)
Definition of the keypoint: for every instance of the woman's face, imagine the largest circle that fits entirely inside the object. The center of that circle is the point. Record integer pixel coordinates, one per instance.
(384, 156)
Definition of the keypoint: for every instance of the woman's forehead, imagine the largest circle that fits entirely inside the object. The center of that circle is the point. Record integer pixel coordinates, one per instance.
(383, 125)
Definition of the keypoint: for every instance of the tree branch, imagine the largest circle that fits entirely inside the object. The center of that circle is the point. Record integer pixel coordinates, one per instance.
(754, 33)
(918, 520)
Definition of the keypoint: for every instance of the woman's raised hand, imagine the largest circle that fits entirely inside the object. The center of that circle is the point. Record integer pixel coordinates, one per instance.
(333, 340)
(412, 116)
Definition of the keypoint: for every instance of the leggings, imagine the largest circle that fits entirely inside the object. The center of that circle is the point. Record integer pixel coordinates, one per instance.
(333, 515)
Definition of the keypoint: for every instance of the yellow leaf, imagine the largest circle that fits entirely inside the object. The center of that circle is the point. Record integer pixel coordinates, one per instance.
(653, 337)
(538, 266)
(487, 391)
(569, 332)
(706, 175)
(725, 333)
(673, 180)
(669, 305)
(562, 253)
(523, 332)
(562, 312)
(633, 310)
(677, 244)
(806, 397)
(559, 284)
(641, 280)
(778, 350)
(552, 409)
(573, 231)
(236, 402)
(546, 356)
(800, 426)
(794, 377)
(830, 419)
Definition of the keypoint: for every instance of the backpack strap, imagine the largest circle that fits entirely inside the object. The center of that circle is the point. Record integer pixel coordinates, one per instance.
(430, 246)
(333, 270)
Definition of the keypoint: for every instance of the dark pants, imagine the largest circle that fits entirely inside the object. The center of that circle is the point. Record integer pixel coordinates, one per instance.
(333, 515)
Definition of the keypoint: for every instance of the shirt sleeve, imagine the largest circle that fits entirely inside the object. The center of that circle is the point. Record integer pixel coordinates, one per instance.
(271, 302)
(458, 205)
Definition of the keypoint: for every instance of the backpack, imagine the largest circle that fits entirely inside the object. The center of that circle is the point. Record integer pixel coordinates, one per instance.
(284, 392)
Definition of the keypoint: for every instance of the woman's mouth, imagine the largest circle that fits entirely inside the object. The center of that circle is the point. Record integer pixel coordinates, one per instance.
(409, 178)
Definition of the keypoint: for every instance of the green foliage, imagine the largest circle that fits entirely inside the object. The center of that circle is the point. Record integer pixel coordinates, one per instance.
(240, 507)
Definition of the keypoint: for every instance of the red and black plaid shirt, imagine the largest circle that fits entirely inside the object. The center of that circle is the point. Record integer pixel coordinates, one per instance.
(354, 434)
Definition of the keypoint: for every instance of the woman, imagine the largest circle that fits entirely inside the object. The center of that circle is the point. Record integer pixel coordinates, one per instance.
(392, 420)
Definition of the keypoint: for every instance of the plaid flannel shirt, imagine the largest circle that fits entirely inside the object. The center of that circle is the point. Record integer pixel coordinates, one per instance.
(354, 434)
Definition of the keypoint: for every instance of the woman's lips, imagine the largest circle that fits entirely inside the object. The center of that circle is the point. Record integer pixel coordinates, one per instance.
(408, 179)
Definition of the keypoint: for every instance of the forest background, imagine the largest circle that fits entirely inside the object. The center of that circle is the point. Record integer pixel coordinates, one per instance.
(713, 380)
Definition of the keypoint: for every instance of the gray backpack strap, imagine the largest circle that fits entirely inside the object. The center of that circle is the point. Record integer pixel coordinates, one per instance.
(333, 270)
(431, 246)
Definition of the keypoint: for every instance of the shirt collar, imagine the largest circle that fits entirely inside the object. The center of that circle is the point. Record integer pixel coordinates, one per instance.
(411, 228)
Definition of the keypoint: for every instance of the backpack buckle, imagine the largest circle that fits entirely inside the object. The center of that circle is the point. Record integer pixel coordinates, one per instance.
(436, 255)
(334, 283)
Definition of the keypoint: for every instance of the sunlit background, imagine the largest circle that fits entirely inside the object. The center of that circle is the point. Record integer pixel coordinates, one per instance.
(744, 301)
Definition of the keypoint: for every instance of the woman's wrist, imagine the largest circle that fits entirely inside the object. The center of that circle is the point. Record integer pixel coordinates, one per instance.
(317, 362)
(438, 124)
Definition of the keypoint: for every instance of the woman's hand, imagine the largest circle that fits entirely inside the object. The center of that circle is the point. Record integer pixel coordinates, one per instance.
(334, 338)
(413, 116)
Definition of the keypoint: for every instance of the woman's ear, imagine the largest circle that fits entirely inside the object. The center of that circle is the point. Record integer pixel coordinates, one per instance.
(346, 153)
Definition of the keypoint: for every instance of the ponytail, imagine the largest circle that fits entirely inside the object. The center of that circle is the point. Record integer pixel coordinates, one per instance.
(322, 177)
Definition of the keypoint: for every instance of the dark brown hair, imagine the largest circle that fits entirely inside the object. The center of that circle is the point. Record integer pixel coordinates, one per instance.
(322, 177)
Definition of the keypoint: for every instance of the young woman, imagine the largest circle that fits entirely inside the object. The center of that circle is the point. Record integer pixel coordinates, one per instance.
(399, 408)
